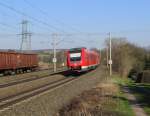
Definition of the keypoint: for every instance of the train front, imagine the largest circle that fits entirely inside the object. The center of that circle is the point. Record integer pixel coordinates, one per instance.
(74, 59)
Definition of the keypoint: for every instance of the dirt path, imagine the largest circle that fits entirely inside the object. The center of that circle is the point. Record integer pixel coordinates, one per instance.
(138, 110)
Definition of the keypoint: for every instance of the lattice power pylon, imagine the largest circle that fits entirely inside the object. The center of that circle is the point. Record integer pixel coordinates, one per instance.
(25, 37)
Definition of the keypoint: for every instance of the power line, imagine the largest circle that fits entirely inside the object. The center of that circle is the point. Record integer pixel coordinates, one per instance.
(33, 18)
(40, 26)
(130, 31)
(46, 14)
(7, 35)
(96, 33)
(73, 34)
(7, 25)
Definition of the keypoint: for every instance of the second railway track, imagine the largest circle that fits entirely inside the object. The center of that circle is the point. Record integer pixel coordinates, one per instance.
(13, 88)
(13, 99)
(19, 90)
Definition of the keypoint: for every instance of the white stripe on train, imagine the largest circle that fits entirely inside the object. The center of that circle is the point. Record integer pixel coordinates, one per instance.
(87, 67)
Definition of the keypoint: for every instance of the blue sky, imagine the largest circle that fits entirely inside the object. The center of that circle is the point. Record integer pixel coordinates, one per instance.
(124, 18)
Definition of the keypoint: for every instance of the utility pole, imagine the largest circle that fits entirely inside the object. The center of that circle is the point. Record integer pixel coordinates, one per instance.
(110, 59)
(107, 56)
(54, 35)
(26, 37)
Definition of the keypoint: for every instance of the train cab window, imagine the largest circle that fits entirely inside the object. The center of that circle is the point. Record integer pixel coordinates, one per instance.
(75, 55)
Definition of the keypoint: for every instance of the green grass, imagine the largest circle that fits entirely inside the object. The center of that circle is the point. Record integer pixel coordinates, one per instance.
(121, 81)
(140, 90)
(119, 104)
(142, 93)
(124, 105)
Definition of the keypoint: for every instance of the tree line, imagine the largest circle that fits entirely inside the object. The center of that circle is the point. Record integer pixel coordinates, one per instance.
(127, 57)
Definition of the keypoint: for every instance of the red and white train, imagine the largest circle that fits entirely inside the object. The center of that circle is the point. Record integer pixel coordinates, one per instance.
(82, 59)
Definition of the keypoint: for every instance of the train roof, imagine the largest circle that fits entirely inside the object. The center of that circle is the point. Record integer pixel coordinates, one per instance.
(79, 48)
(73, 49)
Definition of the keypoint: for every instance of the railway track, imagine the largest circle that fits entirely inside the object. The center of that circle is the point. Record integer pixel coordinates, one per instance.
(28, 73)
(13, 99)
(32, 78)
(19, 86)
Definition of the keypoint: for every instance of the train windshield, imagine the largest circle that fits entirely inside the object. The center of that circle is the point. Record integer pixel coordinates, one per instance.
(75, 55)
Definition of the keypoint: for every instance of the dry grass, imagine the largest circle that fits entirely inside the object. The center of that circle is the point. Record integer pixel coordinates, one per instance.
(102, 100)
(43, 65)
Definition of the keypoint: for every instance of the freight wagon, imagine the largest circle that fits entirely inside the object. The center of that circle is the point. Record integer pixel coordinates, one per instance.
(15, 62)
(82, 59)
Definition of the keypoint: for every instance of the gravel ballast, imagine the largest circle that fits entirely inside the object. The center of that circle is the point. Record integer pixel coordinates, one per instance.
(48, 103)
(12, 78)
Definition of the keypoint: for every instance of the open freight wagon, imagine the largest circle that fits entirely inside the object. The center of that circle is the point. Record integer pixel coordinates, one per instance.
(15, 62)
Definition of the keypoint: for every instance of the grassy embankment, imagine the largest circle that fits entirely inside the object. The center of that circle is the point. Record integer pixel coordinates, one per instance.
(104, 99)
(140, 90)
